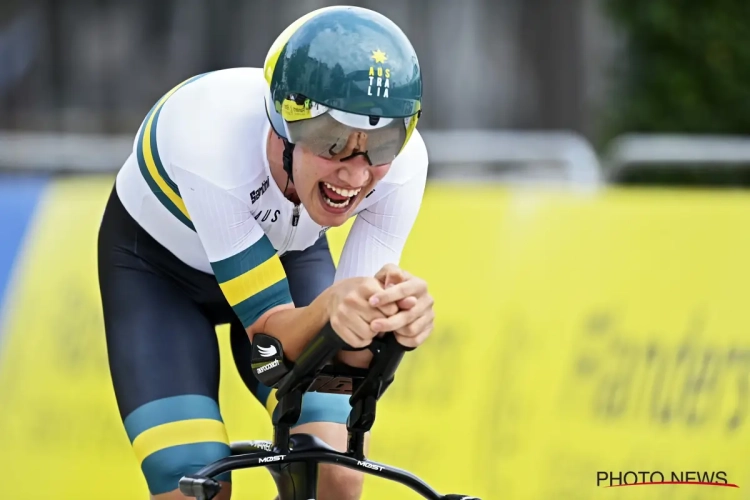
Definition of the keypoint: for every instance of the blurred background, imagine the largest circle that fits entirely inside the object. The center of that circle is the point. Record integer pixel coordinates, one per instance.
(591, 156)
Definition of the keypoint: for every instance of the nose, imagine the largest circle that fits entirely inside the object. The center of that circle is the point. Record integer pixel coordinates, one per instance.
(354, 172)
(355, 143)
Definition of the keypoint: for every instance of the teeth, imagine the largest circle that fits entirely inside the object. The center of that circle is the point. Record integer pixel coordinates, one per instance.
(343, 192)
(337, 205)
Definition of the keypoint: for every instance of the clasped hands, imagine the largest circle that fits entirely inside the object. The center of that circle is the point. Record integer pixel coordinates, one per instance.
(391, 301)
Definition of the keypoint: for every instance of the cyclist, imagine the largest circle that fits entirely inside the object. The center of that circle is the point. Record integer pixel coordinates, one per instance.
(219, 217)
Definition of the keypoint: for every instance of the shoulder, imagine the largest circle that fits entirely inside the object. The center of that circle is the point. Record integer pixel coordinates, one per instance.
(214, 124)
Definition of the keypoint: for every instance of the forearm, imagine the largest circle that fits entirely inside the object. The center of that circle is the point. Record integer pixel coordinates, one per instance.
(294, 327)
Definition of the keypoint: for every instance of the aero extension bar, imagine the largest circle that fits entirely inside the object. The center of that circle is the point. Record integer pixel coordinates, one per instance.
(312, 373)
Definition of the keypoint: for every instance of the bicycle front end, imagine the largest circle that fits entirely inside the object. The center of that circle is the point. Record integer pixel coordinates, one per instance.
(303, 452)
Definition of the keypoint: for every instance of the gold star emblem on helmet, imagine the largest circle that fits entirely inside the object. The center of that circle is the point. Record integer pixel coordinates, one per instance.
(379, 56)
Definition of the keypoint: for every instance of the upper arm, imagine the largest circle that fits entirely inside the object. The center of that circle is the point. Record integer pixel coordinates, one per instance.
(245, 263)
(206, 140)
(379, 232)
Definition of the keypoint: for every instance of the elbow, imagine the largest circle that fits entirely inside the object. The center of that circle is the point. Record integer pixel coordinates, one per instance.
(260, 324)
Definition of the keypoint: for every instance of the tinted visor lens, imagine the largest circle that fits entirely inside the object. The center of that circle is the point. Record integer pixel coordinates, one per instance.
(327, 137)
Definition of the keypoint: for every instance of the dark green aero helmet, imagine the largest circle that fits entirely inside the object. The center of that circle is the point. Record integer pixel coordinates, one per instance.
(342, 70)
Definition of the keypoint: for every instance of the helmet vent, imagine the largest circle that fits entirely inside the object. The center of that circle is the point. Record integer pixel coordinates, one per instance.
(374, 120)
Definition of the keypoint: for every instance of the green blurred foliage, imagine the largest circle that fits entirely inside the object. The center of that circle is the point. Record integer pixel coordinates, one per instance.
(685, 69)
(686, 66)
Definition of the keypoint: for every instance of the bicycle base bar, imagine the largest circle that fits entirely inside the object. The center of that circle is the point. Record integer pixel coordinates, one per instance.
(309, 374)
(203, 486)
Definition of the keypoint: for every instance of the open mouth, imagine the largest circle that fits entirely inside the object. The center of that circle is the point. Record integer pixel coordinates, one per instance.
(337, 200)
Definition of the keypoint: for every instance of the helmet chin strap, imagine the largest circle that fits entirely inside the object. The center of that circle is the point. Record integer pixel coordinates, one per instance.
(288, 146)
(287, 156)
(287, 162)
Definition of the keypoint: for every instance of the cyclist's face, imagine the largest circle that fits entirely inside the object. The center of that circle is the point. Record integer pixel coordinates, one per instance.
(330, 189)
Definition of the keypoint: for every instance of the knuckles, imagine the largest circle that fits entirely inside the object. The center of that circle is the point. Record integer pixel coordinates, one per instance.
(350, 299)
(335, 321)
(369, 286)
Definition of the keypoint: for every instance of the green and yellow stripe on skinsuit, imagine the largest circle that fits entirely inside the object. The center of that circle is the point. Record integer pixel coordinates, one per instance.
(253, 281)
(151, 165)
(164, 431)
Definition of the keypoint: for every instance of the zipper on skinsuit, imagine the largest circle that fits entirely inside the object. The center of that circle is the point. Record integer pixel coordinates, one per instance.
(295, 221)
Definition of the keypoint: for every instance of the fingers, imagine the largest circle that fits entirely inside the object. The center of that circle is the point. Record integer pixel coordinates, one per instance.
(391, 274)
(414, 334)
(356, 303)
(359, 300)
(388, 309)
(418, 339)
(394, 279)
(412, 287)
(393, 323)
(401, 305)
(418, 326)
(388, 269)
(350, 317)
(405, 304)
(404, 308)
(352, 329)
(366, 287)
(405, 317)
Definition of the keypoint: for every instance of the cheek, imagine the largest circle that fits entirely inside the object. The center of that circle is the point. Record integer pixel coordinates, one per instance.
(378, 173)
(319, 169)
(308, 169)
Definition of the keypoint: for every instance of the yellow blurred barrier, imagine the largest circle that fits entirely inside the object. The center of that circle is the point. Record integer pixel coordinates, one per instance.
(575, 334)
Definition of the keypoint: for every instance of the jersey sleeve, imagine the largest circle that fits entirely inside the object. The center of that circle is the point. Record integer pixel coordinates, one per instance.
(379, 232)
(244, 261)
